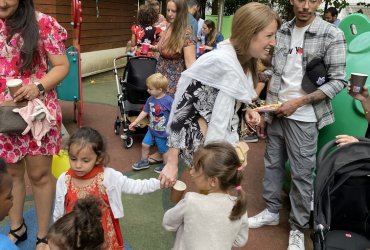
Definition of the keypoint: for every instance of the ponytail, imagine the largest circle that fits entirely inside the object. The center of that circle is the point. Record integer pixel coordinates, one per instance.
(220, 160)
(240, 207)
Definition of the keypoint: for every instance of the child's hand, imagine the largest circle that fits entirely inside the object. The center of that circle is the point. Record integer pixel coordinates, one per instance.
(252, 117)
(168, 175)
(132, 126)
(132, 49)
(345, 139)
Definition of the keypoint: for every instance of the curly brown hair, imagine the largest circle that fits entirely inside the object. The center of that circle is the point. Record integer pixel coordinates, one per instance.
(147, 15)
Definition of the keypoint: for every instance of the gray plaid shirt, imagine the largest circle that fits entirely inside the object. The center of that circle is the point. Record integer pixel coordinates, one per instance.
(321, 40)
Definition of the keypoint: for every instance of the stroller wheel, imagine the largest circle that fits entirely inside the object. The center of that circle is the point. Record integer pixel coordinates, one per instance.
(128, 142)
(116, 127)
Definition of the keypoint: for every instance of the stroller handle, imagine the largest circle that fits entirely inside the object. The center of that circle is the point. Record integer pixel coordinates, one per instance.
(118, 58)
(329, 146)
(325, 150)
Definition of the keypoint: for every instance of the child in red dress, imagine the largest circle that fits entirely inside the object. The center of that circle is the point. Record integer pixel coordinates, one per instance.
(89, 176)
(145, 32)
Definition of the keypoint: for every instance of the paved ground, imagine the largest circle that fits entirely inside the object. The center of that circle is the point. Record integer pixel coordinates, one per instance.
(142, 222)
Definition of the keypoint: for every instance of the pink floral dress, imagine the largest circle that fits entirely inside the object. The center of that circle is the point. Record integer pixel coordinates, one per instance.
(51, 41)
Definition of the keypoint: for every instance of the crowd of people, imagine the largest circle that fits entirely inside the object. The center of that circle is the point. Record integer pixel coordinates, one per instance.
(195, 111)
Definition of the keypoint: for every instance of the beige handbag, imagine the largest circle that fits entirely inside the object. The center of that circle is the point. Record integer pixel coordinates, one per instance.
(241, 147)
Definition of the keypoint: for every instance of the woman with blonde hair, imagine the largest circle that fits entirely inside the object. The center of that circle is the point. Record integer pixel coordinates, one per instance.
(177, 44)
(212, 90)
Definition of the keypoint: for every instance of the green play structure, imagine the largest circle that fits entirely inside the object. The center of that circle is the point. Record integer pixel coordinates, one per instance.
(225, 26)
(349, 115)
(70, 89)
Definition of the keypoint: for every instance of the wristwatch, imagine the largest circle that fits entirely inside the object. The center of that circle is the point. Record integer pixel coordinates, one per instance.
(40, 87)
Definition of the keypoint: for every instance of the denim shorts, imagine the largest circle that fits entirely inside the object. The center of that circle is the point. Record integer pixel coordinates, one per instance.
(161, 142)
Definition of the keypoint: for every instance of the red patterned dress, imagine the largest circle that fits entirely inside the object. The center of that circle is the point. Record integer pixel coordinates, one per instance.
(51, 41)
(112, 232)
(149, 34)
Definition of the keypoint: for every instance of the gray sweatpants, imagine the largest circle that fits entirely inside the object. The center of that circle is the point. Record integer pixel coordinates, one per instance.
(296, 141)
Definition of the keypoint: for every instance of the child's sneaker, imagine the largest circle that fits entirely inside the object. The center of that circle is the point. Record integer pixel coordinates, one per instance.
(159, 168)
(142, 164)
(250, 138)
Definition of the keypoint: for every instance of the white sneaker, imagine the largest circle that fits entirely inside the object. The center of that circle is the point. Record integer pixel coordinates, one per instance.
(263, 218)
(296, 240)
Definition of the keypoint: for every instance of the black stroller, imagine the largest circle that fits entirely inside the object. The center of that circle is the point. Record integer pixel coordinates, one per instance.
(342, 197)
(132, 94)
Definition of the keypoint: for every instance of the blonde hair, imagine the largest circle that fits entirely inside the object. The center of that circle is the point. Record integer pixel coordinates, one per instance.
(157, 81)
(176, 41)
(248, 20)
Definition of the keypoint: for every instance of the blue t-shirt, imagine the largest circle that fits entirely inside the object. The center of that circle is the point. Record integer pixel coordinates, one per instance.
(6, 243)
(159, 112)
(193, 23)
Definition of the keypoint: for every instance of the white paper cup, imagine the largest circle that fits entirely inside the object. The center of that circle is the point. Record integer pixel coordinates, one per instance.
(13, 85)
(357, 82)
(178, 191)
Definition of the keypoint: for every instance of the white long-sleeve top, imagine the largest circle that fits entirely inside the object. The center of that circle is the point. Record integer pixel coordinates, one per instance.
(219, 69)
(115, 184)
(202, 222)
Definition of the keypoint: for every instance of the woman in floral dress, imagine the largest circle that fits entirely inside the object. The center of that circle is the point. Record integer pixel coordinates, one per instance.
(176, 50)
(177, 44)
(210, 93)
(30, 40)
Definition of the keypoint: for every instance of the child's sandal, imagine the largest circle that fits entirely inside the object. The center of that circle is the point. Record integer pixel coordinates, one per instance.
(42, 240)
(19, 238)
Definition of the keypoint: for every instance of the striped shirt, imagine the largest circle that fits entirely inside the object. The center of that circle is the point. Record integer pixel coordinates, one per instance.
(321, 40)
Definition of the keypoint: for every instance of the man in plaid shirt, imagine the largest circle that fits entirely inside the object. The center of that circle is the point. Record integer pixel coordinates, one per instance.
(292, 130)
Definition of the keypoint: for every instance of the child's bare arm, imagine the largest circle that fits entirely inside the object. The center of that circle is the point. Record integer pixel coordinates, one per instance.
(259, 87)
(141, 116)
(133, 42)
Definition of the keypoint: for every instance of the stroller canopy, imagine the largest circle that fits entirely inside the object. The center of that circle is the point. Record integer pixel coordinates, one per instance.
(335, 166)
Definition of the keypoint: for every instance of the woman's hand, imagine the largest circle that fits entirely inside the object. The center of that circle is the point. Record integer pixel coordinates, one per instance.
(252, 117)
(168, 175)
(26, 92)
(358, 96)
(345, 139)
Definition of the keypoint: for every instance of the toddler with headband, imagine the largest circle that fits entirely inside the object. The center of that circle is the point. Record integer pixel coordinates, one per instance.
(219, 219)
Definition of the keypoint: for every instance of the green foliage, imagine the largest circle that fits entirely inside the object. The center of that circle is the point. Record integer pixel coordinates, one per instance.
(338, 4)
(283, 7)
(232, 5)
(367, 5)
